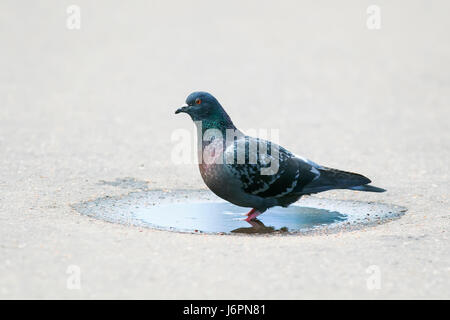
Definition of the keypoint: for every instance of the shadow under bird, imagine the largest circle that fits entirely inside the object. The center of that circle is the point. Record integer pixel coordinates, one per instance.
(246, 183)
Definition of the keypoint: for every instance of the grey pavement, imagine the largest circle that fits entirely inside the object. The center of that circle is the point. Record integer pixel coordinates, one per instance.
(78, 107)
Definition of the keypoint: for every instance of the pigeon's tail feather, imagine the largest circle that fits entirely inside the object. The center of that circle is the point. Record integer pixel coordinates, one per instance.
(336, 179)
(341, 179)
(368, 188)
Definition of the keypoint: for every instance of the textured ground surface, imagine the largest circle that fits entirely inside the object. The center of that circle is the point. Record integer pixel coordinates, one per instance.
(82, 108)
(200, 211)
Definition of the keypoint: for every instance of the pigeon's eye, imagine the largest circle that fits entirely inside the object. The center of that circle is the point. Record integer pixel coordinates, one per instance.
(198, 101)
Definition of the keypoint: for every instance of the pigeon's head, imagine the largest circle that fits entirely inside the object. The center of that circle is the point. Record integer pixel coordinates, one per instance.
(203, 106)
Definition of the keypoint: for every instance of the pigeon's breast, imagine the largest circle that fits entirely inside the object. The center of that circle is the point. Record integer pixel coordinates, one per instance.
(226, 186)
(221, 179)
(217, 180)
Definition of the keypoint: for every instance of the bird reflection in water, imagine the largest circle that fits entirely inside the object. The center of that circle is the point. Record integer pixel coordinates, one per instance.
(256, 226)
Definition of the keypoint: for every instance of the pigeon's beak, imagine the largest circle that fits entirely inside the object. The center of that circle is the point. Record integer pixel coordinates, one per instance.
(182, 109)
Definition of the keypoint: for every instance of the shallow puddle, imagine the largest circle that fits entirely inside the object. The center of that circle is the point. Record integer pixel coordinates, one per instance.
(200, 211)
(225, 217)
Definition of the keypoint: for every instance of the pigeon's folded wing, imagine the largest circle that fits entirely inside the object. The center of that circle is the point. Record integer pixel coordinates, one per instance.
(289, 174)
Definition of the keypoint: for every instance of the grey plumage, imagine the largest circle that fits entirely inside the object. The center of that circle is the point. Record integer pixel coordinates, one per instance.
(235, 172)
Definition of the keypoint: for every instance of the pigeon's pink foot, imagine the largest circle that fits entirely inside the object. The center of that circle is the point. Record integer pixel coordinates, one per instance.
(252, 214)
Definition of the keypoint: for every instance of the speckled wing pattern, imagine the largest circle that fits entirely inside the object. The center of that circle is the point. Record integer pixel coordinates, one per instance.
(292, 176)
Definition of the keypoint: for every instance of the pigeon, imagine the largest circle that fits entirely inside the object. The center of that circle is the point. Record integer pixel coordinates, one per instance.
(256, 173)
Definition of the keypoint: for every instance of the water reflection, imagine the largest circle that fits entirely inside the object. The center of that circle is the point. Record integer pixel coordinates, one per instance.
(226, 218)
(256, 226)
